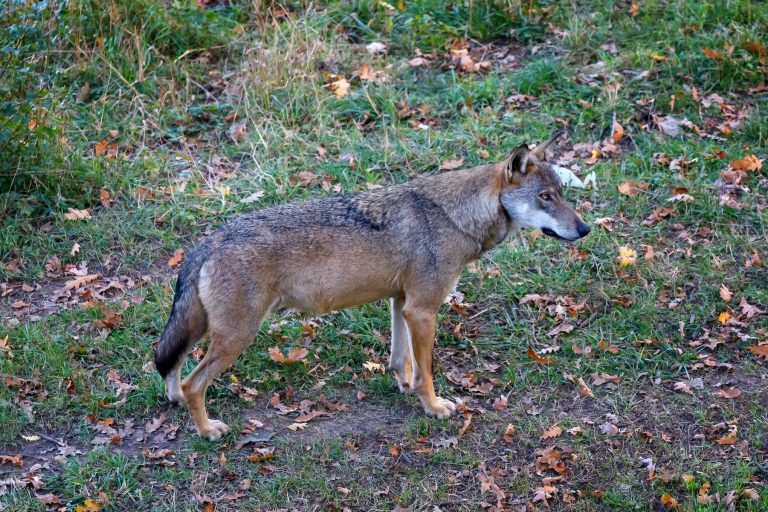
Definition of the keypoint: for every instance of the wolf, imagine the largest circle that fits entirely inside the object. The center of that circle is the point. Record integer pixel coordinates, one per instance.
(407, 243)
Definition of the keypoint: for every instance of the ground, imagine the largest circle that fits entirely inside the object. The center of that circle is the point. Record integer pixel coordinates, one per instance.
(626, 372)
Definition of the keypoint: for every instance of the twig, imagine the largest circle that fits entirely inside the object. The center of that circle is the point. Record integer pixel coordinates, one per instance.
(54, 441)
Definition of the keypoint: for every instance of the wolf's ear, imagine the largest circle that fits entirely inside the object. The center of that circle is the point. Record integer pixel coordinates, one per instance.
(517, 163)
(542, 150)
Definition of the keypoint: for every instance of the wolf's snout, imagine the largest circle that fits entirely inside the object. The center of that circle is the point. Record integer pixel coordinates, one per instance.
(583, 229)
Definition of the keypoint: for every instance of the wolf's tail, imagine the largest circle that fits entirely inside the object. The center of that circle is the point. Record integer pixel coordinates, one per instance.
(188, 321)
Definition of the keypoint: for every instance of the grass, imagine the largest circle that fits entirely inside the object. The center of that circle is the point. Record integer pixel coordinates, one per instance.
(206, 106)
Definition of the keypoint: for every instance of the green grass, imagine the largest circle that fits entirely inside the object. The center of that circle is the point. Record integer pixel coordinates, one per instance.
(168, 84)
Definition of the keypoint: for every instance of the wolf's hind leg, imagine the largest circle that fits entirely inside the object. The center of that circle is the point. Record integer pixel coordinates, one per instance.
(400, 358)
(222, 353)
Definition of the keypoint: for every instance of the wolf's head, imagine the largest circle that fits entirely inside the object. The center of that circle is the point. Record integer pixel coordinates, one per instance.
(533, 196)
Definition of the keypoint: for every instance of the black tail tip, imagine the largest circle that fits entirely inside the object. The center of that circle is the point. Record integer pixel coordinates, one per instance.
(163, 363)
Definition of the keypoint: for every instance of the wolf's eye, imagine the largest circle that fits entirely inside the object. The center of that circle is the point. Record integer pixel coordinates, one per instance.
(545, 196)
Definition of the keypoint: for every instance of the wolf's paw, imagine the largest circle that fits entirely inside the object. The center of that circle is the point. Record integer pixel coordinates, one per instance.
(214, 430)
(175, 398)
(440, 407)
(404, 380)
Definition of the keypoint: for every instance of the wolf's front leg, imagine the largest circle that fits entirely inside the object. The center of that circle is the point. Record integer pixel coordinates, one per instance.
(421, 326)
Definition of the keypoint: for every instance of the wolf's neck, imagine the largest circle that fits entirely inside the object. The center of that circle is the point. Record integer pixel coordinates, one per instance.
(470, 199)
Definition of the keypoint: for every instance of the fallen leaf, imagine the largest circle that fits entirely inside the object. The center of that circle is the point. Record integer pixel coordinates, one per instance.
(177, 258)
(730, 439)
(417, 62)
(618, 132)
(449, 165)
(748, 163)
(683, 387)
(604, 378)
(658, 215)
(500, 403)
(376, 48)
(261, 455)
(725, 293)
(552, 432)
(750, 494)
(584, 390)
(724, 317)
(73, 214)
(309, 416)
(508, 433)
(539, 359)
(565, 327)
(339, 87)
(712, 54)
(467, 423)
(100, 147)
(627, 256)
(373, 367)
(155, 423)
(16, 460)
(80, 281)
(760, 350)
(252, 198)
(297, 426)
(594, 157)
(633, 188)
(669, 501)
(49, 499)
(609, 429)
(669, 125)
(729, 393)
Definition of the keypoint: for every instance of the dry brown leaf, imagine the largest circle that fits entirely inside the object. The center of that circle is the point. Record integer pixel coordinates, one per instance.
(604, 378)
(16, 460)
(669, 501)
(658, 215)
(294, 355)
(309, 416)
(712, 54)
(609, 429)
(760, 350)
(749, 163)
(725, 293)
(177, 258)
(155, 424)
(633, 188)
(730, 439)
(683, 387)
(449, 165)
(729, 393)
(618, 132)
(539, 359)
(73, 214)
(467, 423)
(339, 87)
(565, 327)
(49, 499)
(80, 281)
(584, 390)
(552, 432)
(101, 147)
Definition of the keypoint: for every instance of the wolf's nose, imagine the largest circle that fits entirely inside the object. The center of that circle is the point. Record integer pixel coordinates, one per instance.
(583, 229)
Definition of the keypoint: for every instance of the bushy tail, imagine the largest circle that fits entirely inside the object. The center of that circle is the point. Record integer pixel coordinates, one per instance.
(188, 321)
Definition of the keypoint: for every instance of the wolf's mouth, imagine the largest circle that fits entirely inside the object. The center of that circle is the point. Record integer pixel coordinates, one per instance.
(553, 234)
